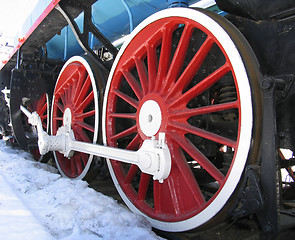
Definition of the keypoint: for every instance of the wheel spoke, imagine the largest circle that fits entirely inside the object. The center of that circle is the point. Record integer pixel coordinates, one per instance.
(180, 53)
(73, 89)
(68, 92)
(83, 91)
(199, 157)
(67, 77)
(44, 121)
(65, 162)
(42, 110)
(63, 99)
(43, 117)
(58, 118)
(85, 126)
(176, 200)
(189, 180)
(84, 158)
(158, 197)
(131, 174)
(41, 102)
(165, 55)
(142, 73)
(186, 128)
(60, 106)
(187, 113)
(79, 83)
(81, 134)
(202, 86)
(78, 163)
(192, 68)
(143, 186)
(133, 84)
(133, 145)
(88, 99)
(85, 115)
(124, 133)
(123, 115)
(131, 101)
(152, 66)
(73, 168)
(165, 198)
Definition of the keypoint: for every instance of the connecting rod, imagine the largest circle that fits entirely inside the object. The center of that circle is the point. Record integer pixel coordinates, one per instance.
(153, 157)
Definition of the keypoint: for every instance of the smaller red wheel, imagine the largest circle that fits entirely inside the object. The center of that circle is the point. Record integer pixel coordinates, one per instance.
(41, 106)
(75, 98)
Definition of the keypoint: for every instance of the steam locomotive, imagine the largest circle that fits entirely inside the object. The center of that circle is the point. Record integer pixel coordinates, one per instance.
(189, 103)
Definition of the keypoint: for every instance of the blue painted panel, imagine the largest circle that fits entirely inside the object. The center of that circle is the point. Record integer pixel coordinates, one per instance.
(111, 18)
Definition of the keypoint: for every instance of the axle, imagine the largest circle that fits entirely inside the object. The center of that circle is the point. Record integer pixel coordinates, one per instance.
(152, 158)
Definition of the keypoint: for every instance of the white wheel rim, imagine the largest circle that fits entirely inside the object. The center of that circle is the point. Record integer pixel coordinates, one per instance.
(246, 118)
(84, 62)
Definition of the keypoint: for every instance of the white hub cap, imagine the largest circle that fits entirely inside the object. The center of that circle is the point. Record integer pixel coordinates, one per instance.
(150, 118)
(164, 60)
(76, 103)
(67, 118)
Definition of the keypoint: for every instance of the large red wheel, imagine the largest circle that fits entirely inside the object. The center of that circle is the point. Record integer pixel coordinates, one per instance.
(190, 74)
(76, 98)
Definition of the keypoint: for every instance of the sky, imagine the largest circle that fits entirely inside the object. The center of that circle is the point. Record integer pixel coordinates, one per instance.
(13, 14)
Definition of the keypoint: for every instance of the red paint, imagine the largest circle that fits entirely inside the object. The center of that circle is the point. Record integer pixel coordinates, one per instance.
(21, 39)
(40, 106)
(145, 73)
(74, 91)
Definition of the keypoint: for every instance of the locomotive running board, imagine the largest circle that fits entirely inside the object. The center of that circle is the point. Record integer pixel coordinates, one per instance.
(152, 158)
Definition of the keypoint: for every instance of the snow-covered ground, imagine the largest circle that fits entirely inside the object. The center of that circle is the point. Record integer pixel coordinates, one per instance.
(37, 203)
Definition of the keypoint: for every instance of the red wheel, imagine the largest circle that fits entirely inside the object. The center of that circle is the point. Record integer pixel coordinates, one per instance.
(42, 108)
(191, 75)
(75, 97)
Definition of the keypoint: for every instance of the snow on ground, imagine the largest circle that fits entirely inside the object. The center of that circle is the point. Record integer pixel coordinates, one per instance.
(37, 203)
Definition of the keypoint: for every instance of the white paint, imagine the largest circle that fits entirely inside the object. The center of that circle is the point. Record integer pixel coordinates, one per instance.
(84, 62)
(150, 118)
(36, 203)
(67, 118)
(246, 118)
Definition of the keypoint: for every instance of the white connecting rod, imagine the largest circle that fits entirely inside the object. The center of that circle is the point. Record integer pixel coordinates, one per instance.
(152, 158)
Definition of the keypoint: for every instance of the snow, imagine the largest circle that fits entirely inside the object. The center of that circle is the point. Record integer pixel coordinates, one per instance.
(37, 203)
(16, 221)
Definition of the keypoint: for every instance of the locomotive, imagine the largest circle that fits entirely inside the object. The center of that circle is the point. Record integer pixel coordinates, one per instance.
(189, 103)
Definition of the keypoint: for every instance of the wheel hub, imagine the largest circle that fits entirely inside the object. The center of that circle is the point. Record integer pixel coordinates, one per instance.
(75, 106)
(150, 118)
(161, 76)
(67, 118)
